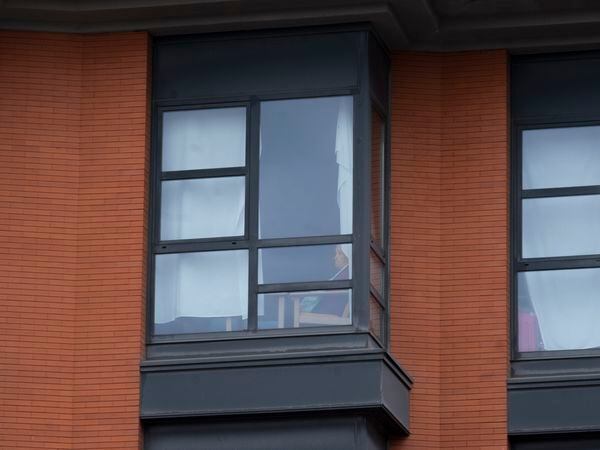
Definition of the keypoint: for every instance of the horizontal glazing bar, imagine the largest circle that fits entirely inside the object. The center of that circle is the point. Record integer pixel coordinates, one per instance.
(208, 245)
(560, 192)
(558, 263)
(311, 286)
(291, 242)
(203, 173)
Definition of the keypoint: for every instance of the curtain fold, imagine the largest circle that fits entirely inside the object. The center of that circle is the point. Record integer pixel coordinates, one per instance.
(344, 140)
(567, 306)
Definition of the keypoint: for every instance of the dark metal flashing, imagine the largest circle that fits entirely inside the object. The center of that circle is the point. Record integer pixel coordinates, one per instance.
(367, 382)
(551, 407)
(302, 432)
(557, 441)
(426, 25)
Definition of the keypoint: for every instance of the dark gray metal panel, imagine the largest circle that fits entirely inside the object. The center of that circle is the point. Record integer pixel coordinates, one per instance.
(260, 389)
(222, 68)
(379, 69)
(375, 436)
(395, 398)
(269, 345)
(318, 384)
(299, 433)
(559, 85)
(575, 441)
(553, 407)
(569, 367)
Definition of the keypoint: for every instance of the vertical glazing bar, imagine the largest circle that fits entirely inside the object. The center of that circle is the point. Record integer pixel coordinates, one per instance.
(253, 165)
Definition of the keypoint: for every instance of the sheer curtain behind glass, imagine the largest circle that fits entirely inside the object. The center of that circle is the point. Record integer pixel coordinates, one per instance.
(206, 284)
(344, 139)
(567, 306)
(202, 284)
(565, 303)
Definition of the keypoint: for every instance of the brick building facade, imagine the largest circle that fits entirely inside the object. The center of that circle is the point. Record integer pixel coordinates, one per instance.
(79, 133)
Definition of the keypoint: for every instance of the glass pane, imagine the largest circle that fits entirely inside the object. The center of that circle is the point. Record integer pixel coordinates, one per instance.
(202, 208)
(561, 226)
(204, 139)
(377, 273)
(377, 174)
(376, 318)
(306, 167)
(304, 309)
(201, 292)
(559, 309)
(559, 157)
(307, 263)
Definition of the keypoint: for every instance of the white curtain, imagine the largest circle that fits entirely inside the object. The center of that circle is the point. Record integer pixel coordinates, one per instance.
(567, 306)
(556, 157)
(202, 208)
(344, 139)
(207, 284)
(204, 139)
(565, 302)
(561, 226)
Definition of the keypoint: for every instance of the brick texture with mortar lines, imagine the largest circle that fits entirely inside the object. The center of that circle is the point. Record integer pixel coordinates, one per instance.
(73, 209)
(449, 245)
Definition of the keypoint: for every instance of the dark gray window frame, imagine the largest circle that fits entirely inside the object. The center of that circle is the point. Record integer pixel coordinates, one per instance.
(364, 98)
(382, 251)
(557, 441)
(520, 264)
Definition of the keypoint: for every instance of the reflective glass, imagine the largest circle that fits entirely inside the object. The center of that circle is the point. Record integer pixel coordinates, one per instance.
(559, 309)
(304, 309)
(306, 167)
(377, 176)
(375, 318)
(560, 157)
(377, 273)
(204, 139)
(201, 292)
(561, 226)
(305, 263)
(202, 208)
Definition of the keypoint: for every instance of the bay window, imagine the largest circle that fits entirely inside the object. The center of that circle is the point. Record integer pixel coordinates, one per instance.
(262, 191)
(268, 261)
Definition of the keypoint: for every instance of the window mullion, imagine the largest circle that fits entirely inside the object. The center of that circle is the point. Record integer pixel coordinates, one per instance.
(252, 183)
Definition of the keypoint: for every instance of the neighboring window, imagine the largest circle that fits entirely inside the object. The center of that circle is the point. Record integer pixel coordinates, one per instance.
(255, 237)
(558, 275)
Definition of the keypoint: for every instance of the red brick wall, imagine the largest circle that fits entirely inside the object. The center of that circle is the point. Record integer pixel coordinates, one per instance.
(449, 242)
(73, 199)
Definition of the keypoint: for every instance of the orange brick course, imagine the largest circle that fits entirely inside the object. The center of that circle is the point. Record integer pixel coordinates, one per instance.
(449, 245)
(73, 202)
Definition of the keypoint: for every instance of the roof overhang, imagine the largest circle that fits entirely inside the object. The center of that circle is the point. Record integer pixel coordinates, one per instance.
(426, 25)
